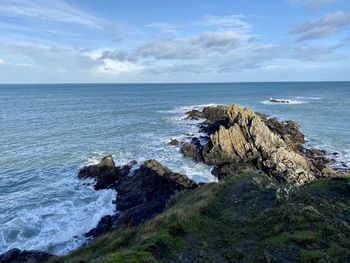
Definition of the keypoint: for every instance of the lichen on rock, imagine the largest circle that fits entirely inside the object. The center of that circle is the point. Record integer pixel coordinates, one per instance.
(241, 139)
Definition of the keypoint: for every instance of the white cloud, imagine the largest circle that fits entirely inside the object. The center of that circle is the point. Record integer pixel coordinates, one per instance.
(232, 21)
(222, 41)
(50, 10)
(50, 16)
(330, 25)
(115, 67)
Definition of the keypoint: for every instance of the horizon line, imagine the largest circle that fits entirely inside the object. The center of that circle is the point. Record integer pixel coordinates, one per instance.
(174, 83)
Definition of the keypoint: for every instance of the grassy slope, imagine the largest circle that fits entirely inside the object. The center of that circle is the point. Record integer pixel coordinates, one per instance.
(240, 219)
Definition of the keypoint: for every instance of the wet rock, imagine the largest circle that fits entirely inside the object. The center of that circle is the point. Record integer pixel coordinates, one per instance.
(279, 101)
(105, 173)
(143, 196)
(125, 169)
(192, 151)
(194, 114)
(174, 142)
(18, 256)
(210, 113)
(103, 226)
(215, 113)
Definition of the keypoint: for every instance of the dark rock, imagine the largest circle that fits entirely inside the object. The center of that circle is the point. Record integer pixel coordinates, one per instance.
(103, 226)
(194, 114)
(174, 142)
(18, 256)
(125, 169)
(210, 113)
(192, 151)
(279, 101)
(105, 173)
(143, 196)
(222, 171)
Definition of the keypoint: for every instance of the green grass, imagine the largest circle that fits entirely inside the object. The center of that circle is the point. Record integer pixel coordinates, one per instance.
(239, 219)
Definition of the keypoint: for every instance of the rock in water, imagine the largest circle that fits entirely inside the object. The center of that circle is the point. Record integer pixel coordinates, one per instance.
(17, 256)
(192, 151)
(174, 142)
(143, 196)
(105, 173)
(247, 141)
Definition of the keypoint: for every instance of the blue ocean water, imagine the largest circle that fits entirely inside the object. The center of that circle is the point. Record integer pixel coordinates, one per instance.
(47, 132)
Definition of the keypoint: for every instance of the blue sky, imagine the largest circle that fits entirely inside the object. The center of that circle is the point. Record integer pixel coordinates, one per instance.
(174, 41)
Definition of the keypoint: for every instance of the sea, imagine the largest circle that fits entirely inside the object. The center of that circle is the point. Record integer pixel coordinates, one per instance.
(49, 131)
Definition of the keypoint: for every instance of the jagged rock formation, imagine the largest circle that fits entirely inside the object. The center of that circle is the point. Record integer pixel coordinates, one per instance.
(142, 196)
(105, 173)
(241, 139)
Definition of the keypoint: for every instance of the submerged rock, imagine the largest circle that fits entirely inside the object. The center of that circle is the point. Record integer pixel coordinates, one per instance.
(20, 256)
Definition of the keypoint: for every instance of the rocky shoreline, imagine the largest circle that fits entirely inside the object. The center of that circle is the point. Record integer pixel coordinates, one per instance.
(239, 139)
(236, 139)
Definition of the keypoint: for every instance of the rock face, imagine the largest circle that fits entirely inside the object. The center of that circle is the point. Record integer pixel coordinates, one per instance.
(241, 139)
(211, 114)
(192, 151)
(249, 142)
(106, 174)
(17, 256)
(143, 195)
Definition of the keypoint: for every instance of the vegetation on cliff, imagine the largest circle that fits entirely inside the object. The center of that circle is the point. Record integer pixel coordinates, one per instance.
(243, 218)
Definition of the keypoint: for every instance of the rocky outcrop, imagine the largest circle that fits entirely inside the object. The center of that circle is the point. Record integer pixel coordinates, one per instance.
(106, 174)
(18, 256)
(288, 130)
(174, 142)
(249, 141)
(241, 139)
(192, 151)
(143, 195)
(211, 114)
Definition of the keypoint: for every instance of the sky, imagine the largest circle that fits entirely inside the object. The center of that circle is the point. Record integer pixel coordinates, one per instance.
(114, 41)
